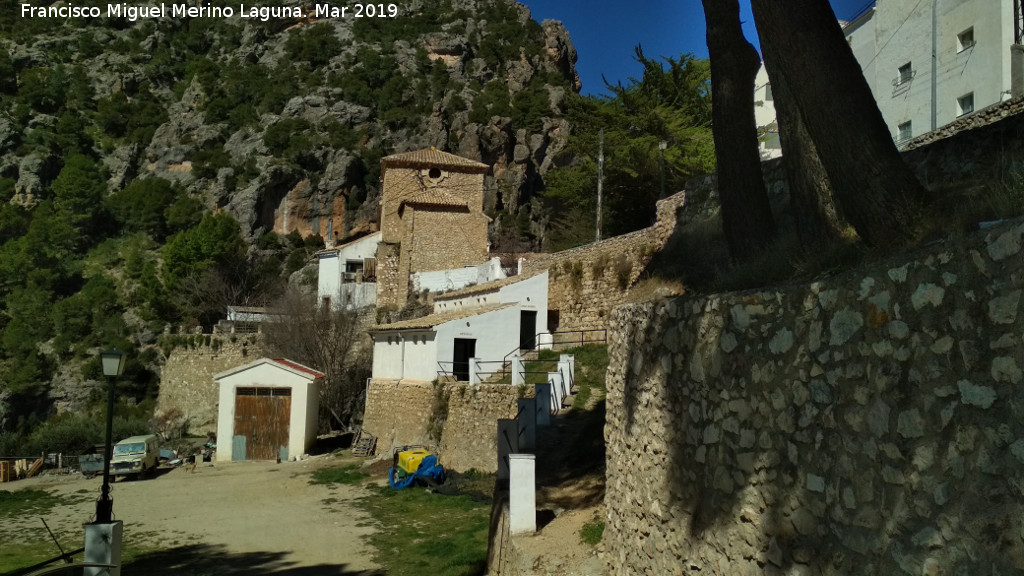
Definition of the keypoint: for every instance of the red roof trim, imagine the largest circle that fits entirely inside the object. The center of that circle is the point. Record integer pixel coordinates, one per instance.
(299, 367)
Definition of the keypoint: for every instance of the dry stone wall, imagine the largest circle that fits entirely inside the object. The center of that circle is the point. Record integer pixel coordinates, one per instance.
(388, 277)
(399, 413)
(587, 282)
(186, 380)
(871, 423)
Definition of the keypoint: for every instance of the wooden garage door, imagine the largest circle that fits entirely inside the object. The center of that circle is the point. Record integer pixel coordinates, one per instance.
(262, 415)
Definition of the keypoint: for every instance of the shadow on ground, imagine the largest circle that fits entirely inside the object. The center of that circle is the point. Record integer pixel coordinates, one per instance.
(571, 458)
(207, 560)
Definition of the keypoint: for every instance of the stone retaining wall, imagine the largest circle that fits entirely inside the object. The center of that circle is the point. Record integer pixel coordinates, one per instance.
(186, 380)
(399, 413)
(587, 282)
(871, 423)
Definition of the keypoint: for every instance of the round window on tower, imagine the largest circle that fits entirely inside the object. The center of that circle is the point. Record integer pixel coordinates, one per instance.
(434, 173)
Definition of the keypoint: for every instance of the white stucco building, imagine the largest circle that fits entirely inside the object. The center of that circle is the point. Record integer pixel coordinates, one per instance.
(764, 117)
(458, 278)
(347, 273)
(929, 62)
(267, 409)
(487, 322)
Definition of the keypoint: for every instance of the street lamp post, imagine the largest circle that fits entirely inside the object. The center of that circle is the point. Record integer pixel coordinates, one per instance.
(103, 537)
(113, 366)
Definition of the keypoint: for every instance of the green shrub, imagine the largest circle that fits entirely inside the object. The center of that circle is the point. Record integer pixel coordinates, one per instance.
(592, 532)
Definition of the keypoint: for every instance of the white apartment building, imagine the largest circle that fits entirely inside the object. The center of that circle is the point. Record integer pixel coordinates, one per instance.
(929, 62)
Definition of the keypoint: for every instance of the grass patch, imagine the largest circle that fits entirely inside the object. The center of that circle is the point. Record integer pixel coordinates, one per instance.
(592, 532)
(591, 366)
(350, 474)
(26, 502)
(428, 533)
(32, 544)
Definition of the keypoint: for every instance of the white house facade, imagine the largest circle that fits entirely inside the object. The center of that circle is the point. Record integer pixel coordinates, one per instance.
(458, 278)
(487, 322)
(977, 55)
(267, 409)
(347, 274)
(443, 343)
(764, 117)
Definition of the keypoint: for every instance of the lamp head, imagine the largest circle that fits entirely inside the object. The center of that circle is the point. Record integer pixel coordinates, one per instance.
(113, 362)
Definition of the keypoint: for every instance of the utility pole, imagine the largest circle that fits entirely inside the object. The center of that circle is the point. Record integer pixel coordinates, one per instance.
(600, 183)
(935, 66)
(661, 148)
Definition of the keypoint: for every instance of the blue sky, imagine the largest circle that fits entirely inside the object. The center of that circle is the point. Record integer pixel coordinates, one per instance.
(605, 31)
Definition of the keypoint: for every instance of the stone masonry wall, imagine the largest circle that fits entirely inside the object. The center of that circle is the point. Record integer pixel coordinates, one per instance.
(587, 282)
(871, 423)
(399, 413)
(186, 380)
(445, 239)
(388, 265)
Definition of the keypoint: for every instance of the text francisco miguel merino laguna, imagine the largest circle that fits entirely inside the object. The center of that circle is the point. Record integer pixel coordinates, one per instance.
(161, 10)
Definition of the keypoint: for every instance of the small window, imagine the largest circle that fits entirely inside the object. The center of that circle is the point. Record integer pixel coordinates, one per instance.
(905, 74)
(905, 131)
(965, 40)
(768, 97)
(965, 104)
(434, 173)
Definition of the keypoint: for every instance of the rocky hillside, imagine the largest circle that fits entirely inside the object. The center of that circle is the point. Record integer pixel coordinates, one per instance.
(282, 122)
(153, 170)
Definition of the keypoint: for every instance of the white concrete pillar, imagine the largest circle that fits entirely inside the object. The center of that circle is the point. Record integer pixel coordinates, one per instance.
(557, 389)
(474, 371)
(518, 367)
(522, 504)
(508, 443)
(103, 546)
(566, 371)
(542, 392)
(527, 424)
(571, 360)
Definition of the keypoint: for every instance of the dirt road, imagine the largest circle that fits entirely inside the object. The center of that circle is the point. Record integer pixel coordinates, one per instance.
(233, 517)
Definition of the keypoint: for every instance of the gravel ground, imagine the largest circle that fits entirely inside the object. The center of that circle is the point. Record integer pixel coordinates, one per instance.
(228, 517)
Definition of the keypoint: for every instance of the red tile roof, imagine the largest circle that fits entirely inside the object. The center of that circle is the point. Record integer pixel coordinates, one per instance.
(299, 367)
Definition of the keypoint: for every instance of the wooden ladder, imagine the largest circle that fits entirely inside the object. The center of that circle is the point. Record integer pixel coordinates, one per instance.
(365, 444)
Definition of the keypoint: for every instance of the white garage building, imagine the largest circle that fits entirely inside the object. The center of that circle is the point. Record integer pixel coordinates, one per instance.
(268, 409)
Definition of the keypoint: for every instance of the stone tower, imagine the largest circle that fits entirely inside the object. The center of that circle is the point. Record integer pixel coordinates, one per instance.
(431, 218)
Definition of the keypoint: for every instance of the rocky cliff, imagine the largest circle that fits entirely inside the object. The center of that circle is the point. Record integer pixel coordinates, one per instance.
(282, 121)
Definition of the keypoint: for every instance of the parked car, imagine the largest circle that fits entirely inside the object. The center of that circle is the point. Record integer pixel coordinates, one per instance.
(137, 455)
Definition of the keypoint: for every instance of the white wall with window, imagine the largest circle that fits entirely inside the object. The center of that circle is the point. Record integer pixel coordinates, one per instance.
(346, 274)
(417, 349)
(972, 39)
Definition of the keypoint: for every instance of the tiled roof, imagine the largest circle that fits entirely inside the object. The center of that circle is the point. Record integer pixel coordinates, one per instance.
(487, 286)
(432, 320)
(430, 157)
(435, 197)
(282, 362)
(299, 367)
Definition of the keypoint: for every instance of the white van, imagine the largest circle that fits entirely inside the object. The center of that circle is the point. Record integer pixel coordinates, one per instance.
(135, 455)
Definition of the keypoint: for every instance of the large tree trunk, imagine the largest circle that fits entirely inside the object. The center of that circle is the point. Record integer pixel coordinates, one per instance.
(814, 211)
(877, 192)
(746, 213)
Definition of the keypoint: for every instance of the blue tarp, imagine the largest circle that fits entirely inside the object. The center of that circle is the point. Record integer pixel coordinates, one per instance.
(429, 472)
